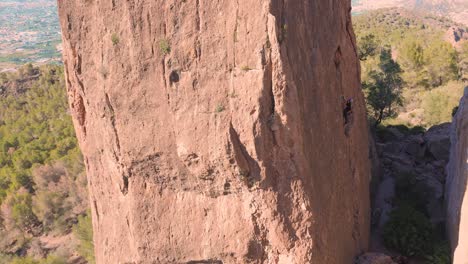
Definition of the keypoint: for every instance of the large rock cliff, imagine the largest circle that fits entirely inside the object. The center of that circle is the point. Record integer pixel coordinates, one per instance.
(456, 186)
(213, 131)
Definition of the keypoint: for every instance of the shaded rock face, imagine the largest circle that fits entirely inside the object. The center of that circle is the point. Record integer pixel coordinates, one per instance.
(416, 160)
(213, 131)
(457, 173)
(438, 141)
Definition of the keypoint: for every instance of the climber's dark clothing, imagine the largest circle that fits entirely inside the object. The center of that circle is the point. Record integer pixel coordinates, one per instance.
(347, 110)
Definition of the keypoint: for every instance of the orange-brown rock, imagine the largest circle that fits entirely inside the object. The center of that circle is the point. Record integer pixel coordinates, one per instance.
(212, 130)
(456, 187)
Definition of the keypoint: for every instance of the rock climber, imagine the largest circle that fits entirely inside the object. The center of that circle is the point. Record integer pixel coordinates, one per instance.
(347, 109)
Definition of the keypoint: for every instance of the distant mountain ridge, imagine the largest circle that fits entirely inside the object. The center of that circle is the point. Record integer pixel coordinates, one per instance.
(457, 10)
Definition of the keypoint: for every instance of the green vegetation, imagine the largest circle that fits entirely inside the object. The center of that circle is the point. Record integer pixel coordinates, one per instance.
(164, 46)
(438, 104)
(283, 33)
(409, 232)
(411, 192)
(367, 47)
(441, 254)
(463, 61)
(220, 108)
(115, 39)
(51, 259)
(246, 68)
(384, 87)
(84, 231)
(42, 179)
(433, 72)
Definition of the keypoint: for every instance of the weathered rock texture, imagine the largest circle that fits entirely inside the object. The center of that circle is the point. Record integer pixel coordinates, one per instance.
(456, 186)
(212, 131)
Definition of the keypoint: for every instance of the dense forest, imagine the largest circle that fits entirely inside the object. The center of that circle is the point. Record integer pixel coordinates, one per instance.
(43, 196)
(423, 58)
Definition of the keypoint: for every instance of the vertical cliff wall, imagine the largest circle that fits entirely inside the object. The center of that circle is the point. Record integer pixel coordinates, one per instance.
(213, 130)
(456, 186)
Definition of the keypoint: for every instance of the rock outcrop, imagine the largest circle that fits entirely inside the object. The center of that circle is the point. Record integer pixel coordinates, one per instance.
(414, 159)
(456, 186)
(212, 131)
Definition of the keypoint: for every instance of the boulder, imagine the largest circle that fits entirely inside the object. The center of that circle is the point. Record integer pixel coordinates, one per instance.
(393, 147)
(437, 188)
(395, 133)
(374, 258)
(401, 168)
(439, 148)
(438, 141)
(415, 149)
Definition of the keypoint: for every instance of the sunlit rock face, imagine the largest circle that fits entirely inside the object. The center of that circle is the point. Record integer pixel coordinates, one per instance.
(213, 130)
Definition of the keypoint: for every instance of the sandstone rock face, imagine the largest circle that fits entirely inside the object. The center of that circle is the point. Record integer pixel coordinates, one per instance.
(456, 186)
(213, 131)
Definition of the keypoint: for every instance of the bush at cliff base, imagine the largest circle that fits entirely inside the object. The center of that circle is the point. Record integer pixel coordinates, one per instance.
(411, 192)
(408, 232)
(441, 254)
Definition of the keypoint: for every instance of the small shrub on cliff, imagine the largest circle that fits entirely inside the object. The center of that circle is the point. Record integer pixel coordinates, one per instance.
(409, 232)
(115, 39)
(220, 108)
(164, 46)
(246, 68)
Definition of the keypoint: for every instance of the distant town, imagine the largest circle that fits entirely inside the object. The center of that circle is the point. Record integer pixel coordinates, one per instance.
(29, 32)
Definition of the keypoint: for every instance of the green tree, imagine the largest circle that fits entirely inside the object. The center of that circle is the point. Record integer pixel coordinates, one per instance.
(414, 54)
(367, 46)
(442, 63)
(22, 211)
(384, 88)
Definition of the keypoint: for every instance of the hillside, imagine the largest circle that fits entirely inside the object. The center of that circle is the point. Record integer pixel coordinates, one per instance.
(43, 196)
(433, 61)
(457, 10)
